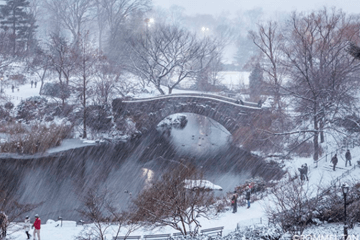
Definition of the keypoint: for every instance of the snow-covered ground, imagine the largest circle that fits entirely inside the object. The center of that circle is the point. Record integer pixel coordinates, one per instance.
(231, 221)
(318, 174)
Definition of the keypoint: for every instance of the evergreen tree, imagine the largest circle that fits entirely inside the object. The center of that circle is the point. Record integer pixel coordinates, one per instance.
(20, 24)
(256, 80)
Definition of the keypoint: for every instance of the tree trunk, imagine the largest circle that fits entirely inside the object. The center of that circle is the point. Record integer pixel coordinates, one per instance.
(322, 138)
(42, 80)
(316, 138)
(14, 33)
(160, 90)
(84, 105)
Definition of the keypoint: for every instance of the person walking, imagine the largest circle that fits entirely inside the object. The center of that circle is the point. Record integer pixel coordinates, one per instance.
(234, 202)
(348, 157)
(3, 224)
(37, 225)
(35, 83)
(247, 196)
(301, 170)
(305, 172)
(334, 161)
(12, 88)
(27, 227)
(32, 82)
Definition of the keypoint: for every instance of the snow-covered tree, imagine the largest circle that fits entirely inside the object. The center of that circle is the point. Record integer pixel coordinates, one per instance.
(21, 24)
(309, 51)
(166, 55)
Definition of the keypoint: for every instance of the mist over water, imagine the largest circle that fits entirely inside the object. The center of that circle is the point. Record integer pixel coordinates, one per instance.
(62, 180)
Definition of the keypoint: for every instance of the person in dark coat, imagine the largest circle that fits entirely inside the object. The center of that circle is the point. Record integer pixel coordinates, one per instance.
(3, 224)
(305, 172)
(347, 157)
(12, 88)
(247, 196)
(301, 170)
(32, 82)
(334, 161)
(234, 202)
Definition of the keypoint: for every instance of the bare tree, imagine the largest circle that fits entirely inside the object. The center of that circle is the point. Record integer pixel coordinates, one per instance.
(40, 65)
(166, 55)
(87, 60)
(72, 14)
(321, 75)
(269, 40)
(115, 12)
(292, 205)
(61, 58)
(101, 210)
(168, 203)
(12, 207)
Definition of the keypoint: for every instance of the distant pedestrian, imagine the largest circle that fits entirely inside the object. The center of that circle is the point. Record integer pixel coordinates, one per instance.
(32, 82)
(27, 227)
(37, 225)
(234, 202)
(12, 88)
(35, 83)
(247, 196)
(348, 157)
(301, 170)
(3, 224)
(305, 172)
(334, 161)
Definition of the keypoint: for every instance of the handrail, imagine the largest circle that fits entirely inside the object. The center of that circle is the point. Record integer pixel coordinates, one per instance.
(333, 182)
(203, 96)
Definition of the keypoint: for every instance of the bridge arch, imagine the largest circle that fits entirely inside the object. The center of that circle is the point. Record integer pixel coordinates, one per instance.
(148, 112)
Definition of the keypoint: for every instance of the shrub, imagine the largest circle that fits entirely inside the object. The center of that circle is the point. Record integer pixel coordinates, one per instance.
(9, 105)
(61, 91)
(256, 232)
(38, 139)
(32, 108)
(98, 118)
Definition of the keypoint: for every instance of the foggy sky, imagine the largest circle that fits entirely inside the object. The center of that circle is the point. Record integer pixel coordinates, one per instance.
(217, 7)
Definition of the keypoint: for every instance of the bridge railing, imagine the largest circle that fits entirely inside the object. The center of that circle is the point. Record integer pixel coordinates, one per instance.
(217, 97)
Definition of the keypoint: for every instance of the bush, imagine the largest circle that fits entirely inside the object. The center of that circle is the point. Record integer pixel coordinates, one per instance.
(38, 139)
(9, 105)
(98, 118)
(256, 233)
(61, 91)
(3, 113)
(32, 108)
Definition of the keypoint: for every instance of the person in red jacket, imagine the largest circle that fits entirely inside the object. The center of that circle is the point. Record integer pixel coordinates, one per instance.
(37, 225)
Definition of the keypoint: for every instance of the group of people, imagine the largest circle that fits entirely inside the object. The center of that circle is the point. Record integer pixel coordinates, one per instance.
(334, 159)
(304, 172)
(36, 225)
(27, 225)
(235, 197)
(33, 83)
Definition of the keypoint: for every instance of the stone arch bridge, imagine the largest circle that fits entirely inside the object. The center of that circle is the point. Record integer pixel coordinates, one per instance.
(148, 112)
